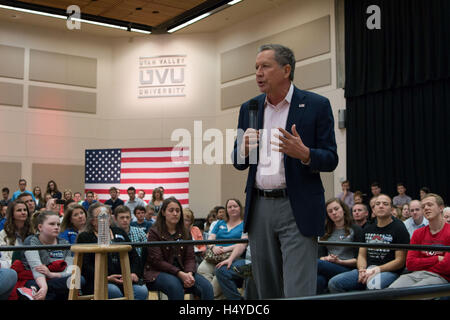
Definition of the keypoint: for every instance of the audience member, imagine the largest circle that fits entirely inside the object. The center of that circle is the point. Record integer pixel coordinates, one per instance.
(372, 206)
(358, 197)
(68, 199)
(145, 225)
(221, 215)
(334, 260)
(150, 214)
(157, 199)
(28, 200)
(428, 267)
(232, 228)
(39, 198)
(375, 189)
(360, 214)
(346, 195)
(417, 220)
(8, 280)
(52, 189)
(77, 197)
(89, 200)
(397, 213)
(172, 269)
(405, 212)
(210, 218)
(447, 214)
(423, 191)
(114, 201)
(5, 197)
(133, 202)
(49, 267)
(122, 217)
(73, 222)
(115, 282)
(2, 216)
(376, 268)
(17, 228)
(199, 250)
(22, 189)
(141, 195)
(401, 198)
(230, 279)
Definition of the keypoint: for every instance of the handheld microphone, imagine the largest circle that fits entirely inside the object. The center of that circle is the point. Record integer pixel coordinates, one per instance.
(253, 114)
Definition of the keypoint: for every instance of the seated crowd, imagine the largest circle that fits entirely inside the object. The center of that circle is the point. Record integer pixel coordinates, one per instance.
(221, 271)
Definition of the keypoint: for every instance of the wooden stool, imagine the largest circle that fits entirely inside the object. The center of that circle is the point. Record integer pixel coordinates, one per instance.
(101, 270)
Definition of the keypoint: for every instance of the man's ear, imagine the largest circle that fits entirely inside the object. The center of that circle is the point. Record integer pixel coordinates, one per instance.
(287, 70)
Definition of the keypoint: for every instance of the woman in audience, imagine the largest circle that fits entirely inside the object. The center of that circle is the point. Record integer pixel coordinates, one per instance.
(49, 267)
(157, 199)
(210, 218)
(333, 260)
(172, 269)
(231, 228)
(89, 235)
(17, 228)
(446, 214)
(52, 189)
(405, 212)
(73, 222)
(39, 198)
(188, 217)
(67, 198)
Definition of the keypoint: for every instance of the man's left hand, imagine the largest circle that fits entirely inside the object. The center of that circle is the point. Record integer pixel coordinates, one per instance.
(292, 145)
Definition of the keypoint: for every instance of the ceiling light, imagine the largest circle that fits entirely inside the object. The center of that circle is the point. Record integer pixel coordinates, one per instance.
(34, 12)
(181, 26)
(73, 19)
(234, 2)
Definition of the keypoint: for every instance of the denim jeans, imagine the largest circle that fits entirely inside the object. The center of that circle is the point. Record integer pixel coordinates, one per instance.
(8, 279)
(58, 288)
(172, 286)
(327, 270)
(228, 280)
(140, 291)
(348, 281)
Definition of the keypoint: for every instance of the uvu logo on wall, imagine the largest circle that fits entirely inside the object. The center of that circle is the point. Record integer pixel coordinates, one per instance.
(162, 76)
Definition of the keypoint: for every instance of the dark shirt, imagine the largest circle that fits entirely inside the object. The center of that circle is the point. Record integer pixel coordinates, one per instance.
(114, 204)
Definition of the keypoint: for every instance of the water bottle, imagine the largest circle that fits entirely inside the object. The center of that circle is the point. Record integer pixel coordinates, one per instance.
(103, 228)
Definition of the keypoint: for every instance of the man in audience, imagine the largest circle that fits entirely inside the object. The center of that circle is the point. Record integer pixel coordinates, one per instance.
(423, 191)
(5, 197)
(22, 189)
(375, 189)
(346, 195)
(447, 214)
(417, 220)
(77, 198)
(376, 268)
(115, 201)
(401, 198)
(428, 267)
(360, 214)
(141, 195)
(29, 202)
(89, 200)
(133, 202)
(141, 222)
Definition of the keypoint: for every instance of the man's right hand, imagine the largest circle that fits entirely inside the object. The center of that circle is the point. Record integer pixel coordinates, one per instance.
(250, 142)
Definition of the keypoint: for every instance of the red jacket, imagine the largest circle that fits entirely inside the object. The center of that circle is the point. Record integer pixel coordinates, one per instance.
(24, 275)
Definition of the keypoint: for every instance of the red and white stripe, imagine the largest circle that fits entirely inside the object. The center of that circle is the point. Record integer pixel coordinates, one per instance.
(149, 168)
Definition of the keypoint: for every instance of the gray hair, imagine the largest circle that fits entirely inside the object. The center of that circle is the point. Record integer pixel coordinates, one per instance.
(283, 56)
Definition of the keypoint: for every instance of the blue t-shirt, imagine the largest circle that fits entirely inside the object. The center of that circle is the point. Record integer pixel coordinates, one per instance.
(146, 225)
(221, 231)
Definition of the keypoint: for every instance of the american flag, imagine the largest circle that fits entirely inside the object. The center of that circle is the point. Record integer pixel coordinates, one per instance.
(142, 168)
